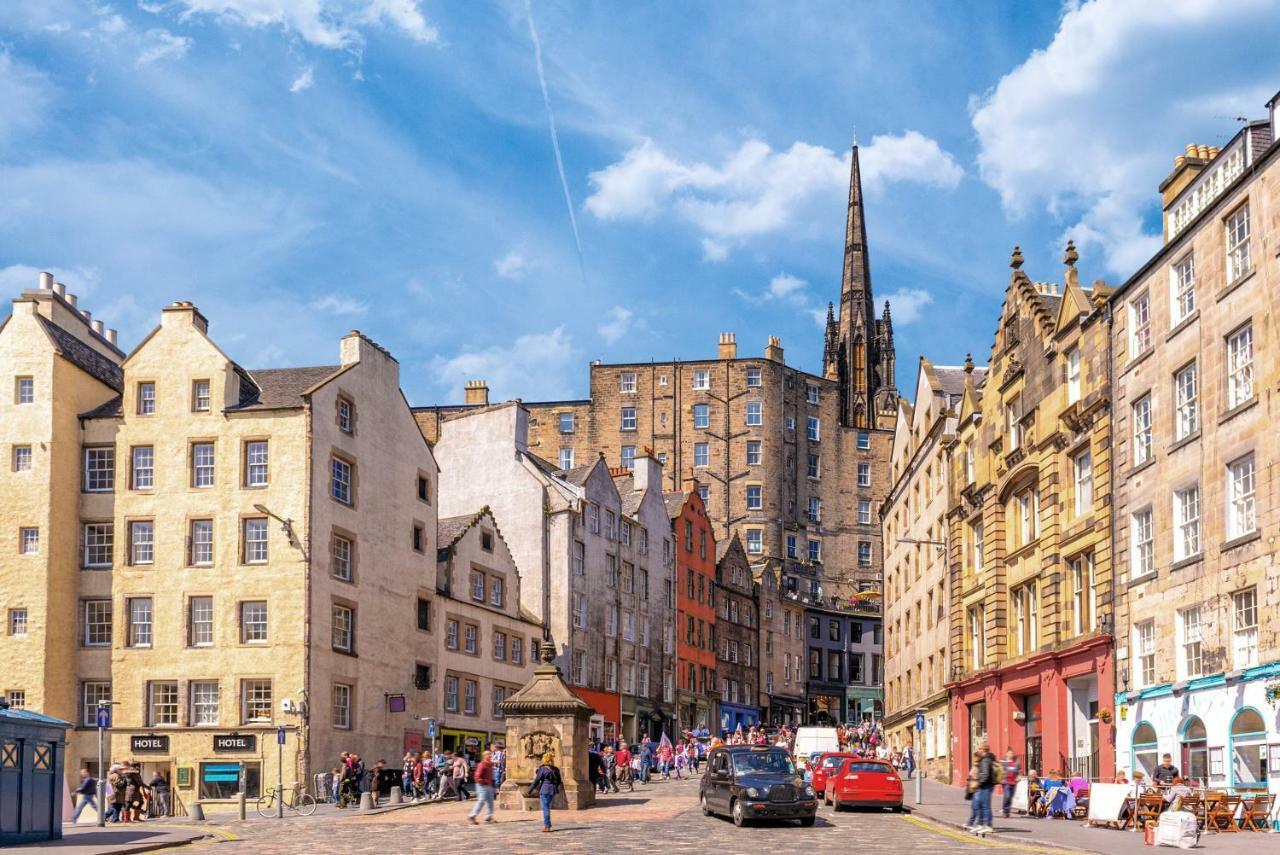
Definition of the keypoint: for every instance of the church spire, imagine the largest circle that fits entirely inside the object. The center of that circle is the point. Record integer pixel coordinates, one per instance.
(857, 267)
(857, 345)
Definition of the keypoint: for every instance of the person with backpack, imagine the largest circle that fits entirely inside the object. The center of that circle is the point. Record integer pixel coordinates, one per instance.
(546, 783)
(988, 777)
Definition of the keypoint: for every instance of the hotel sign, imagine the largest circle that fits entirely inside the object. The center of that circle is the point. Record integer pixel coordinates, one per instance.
(234, 742)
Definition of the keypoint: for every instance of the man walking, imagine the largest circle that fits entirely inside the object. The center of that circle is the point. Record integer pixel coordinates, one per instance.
(988, 777)
(87, 791)
(484, 788)
(1009, 770)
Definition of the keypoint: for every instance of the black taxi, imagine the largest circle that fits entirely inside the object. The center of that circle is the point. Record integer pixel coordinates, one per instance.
(746, 782)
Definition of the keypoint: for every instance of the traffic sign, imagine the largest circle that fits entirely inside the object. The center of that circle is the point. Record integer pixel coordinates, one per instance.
(279, 736)
(104, 717)
(431, 728)
(919, 721)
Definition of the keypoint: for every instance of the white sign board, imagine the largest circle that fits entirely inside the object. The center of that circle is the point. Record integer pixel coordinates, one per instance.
(1107, 801)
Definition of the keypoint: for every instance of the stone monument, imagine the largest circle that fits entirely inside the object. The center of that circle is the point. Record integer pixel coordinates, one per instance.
(546, 717)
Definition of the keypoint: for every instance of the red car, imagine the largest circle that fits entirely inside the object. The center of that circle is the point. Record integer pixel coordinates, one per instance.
(827, 763)
(864, 782)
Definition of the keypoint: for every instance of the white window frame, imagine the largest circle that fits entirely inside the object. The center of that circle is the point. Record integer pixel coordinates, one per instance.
(1236, 242)
(203, 464)
(257, 458)
(341, 706)
(566, 458)
(1182, 289)
(255, 700)
(1144, 653)
(1190, 643)
(1082, 467)
(754, 378)
(813, 429)
(1186, 522)
(100, 469)
(754, 452)
(1186, 400)
(702, 454)
(627, 383)
(142, 468)
(200, 630)
(627, 419)
(343, 622)
(1240, 380)
(1139, 325)
(755, 413)
(256, 534)
(97, 618)
(701, 380)
(1242, 515)
(1141, 543)
(200, 548)
(205, 698)
(1073, 375)
(1142, 435)
(1244, 628)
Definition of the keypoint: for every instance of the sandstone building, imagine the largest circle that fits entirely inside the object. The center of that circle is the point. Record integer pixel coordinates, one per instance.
(793, 463)
(916, 565)
(1030, 589)
(211, 548)
(1196, 376)
(844, 656)
(738, 636)
(695, 618)
(782, 647)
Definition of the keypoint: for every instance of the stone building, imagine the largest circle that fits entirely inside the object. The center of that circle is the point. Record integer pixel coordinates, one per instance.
(782, 648)
(790, 461)
(737, 636)
(917, 629)
(217, 547)
(695, 621)
(486, 649)
(844, 663)
(602, 574)
(1196, 375)
(1030, 589)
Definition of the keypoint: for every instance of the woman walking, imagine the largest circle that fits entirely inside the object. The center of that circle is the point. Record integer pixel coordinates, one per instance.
(546, 783)
(970, 792)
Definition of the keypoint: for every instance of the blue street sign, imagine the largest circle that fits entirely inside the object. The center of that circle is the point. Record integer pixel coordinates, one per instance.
(919, 721)
(279, 736)
(431, 728)
(104, 717)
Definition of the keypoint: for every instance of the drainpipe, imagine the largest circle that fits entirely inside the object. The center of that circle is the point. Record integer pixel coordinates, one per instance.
(546, 565)
(1111, 467)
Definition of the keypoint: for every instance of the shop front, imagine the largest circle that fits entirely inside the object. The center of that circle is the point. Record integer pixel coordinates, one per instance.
(653, 720)
(1046, 709)
(864, 703)
(606, 721)
(693, 712)
(733, 716)
(1222, 733)
(468, 742)
(785, 710)
(826, 706)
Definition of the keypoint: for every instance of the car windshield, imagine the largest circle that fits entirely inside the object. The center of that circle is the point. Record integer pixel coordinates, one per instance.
(763, 762)
(831, 762)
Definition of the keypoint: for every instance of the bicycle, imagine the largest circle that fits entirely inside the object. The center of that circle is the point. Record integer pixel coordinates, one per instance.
(303, 804)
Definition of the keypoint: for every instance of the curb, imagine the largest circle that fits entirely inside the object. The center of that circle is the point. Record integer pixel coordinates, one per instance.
(916, 810)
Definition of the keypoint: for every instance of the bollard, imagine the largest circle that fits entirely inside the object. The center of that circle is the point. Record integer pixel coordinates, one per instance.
(197, 812)
(241, 796)
(366, 801)
(397, 796)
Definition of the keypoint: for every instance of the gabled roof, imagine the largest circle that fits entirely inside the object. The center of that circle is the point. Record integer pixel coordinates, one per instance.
(578, 475)
(114, 408)
(450, 529)
(723, 547)
(83, 356)
(675, 503)
(951, 378)
(279, 388)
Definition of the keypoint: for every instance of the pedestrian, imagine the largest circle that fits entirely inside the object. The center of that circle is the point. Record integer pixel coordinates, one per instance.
(374, 783)
(498, 757)
(159, 794)
(461, 772)
(546, 783)
(407, 767)
(971, 791)
(1009, 769)
(988, 777)
(335, 783)
(484, 788)
(119, 790)
(87, 790)
(909, 760)
(1165, 772)
(595, 768)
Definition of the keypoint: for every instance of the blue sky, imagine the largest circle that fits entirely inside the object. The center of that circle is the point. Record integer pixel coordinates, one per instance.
(299, 168)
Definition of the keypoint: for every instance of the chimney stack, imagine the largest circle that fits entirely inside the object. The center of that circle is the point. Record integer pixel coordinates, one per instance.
(476, 393)
(46, 281)
(728, 346)
(773, 350)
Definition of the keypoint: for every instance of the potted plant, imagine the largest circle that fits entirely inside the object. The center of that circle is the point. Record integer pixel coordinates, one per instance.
(1104, 715)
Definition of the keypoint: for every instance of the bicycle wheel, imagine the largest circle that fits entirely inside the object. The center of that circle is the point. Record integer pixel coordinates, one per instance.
(267, 805)
(306, 805)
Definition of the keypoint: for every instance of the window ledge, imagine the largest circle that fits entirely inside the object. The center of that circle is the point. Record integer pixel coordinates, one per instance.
(1187, 562)
(1150, 461)
(1143, 579)
(1186, 440)
(1183, 324)
(1235, 542)
(1238, 409)
(1138, 360)
(1239, 280)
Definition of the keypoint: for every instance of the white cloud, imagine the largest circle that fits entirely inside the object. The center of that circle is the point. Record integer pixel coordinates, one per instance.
(535, 365)
(756, 190)
(24, 95)
(333, 304)
(16, 278)
(513, 265)
(616, 325)
(161, 44)
(324, 23)
(791, 291)
(1086, 127)
(303, 81)
(906, 305)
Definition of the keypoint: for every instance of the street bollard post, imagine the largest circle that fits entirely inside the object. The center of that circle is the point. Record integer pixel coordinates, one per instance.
(366, 801)
(397, 796)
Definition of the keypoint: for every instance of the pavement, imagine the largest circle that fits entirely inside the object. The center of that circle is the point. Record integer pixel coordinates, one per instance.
(664, 814)
(946, 806)
(123, 839)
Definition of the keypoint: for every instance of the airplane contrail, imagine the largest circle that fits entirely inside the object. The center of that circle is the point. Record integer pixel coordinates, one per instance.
(555, 139)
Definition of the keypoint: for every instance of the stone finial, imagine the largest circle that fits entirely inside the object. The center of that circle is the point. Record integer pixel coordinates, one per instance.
(968, 363)
(1072, 256)
(547, 652)
(1015, 260)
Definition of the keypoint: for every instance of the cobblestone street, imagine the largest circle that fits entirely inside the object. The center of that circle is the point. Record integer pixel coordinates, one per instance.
(662, 813)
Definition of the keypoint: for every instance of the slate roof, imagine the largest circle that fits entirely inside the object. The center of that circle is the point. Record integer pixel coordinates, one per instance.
(951, 378)
(84, 357)
(578, 475)
(108, 410)
(449, 529)
(278, 388)
(674, 503)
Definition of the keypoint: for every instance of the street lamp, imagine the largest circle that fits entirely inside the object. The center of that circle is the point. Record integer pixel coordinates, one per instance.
(937, 544)
(286, 525)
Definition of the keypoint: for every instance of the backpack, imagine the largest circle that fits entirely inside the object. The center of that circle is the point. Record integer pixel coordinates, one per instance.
(993, 771)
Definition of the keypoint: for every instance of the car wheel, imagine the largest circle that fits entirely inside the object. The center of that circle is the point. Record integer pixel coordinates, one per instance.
(807, 822)
(706, 808)
(836, 806)
(826, 799)
(739, 816)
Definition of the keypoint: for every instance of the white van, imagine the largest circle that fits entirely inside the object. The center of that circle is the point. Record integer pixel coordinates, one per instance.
(813, 739)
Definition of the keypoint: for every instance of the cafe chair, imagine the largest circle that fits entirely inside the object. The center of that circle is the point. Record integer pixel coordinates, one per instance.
(1222, 814)
(1257, 813)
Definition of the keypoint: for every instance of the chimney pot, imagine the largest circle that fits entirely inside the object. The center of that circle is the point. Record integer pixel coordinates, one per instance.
(99, 327)
(1203, 151)
(59, 289)
(1179, 161)
(1192, 150)
(728, 346)
(46, 281)
(73, 300)
(87, 315)
(476, 393)
(112, 335)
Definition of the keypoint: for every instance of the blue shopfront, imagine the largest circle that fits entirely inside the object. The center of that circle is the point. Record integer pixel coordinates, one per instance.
(732, 716)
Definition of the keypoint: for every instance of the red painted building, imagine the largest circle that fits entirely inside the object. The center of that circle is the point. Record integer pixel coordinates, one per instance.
(695, 570)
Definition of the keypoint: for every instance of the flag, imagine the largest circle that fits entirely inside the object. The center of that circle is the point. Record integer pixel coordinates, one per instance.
(665, 740)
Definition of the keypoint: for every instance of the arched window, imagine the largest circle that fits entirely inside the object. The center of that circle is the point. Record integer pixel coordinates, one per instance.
(1248, 751)
(1195, 751)
(1145, 750)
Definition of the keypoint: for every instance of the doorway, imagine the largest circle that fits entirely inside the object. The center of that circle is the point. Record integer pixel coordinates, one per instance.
(1085, 745)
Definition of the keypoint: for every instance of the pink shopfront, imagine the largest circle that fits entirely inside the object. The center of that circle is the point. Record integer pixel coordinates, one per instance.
(1052, 709)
